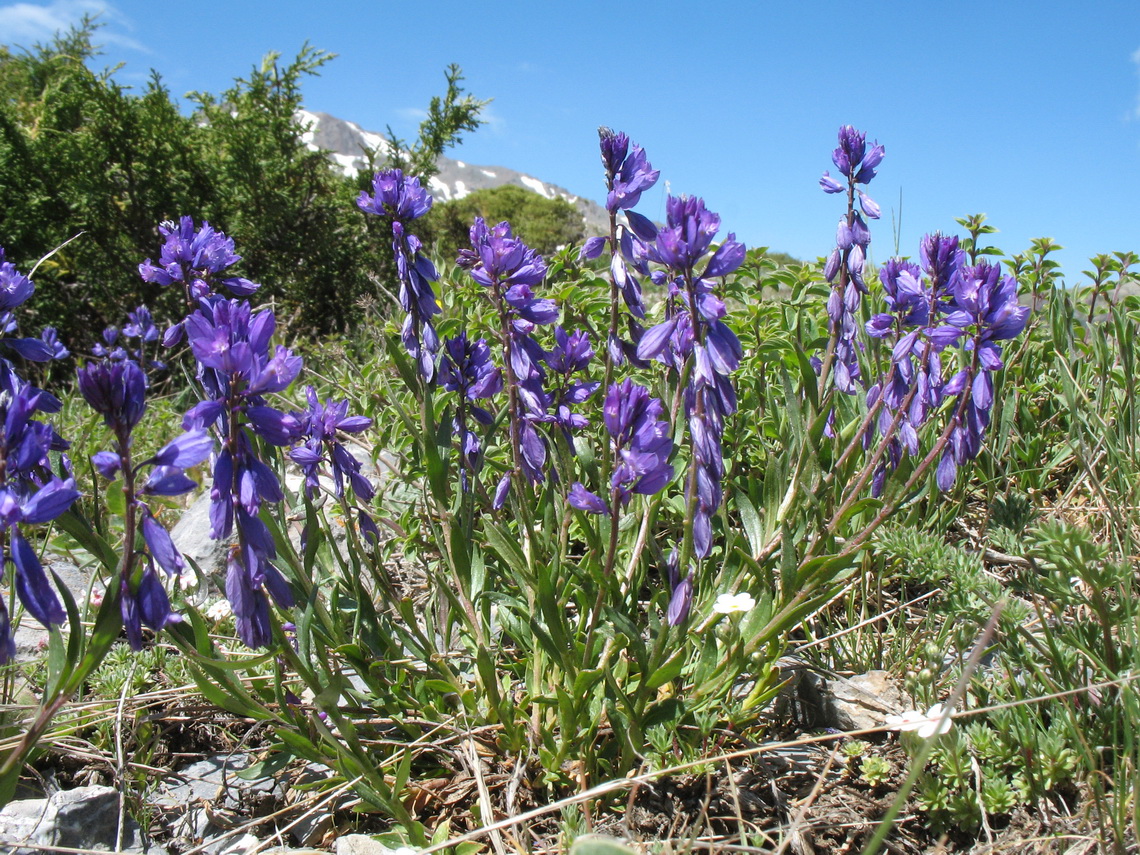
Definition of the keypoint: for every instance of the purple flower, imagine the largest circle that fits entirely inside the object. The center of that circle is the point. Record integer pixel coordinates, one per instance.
(467, 370)
(510, 270)
(844, 266)
(195, 258)
(51, 339)
(395, 196)
(15, 287)
(571, 354)
(628, 171)
(32, 586)
(148, 605)
(694, 333)
(321, 433)
(115, 390)
(237, 367)
(628, 175)
(141, 325)
(399, 199)
(642, 444)
(681, 592)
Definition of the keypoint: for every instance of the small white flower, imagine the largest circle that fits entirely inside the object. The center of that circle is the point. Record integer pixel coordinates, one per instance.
(925, 725)
(727, 604)
(219, 610)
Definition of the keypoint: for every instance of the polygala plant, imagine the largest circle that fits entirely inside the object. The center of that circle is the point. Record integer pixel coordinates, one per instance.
(579, 442)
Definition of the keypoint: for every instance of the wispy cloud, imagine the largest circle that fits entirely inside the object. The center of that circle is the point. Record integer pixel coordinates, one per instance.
(28, 23)
(411, 115)
(493, 122)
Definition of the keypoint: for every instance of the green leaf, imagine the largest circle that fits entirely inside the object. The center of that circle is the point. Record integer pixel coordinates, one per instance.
(116, 502)
(269, 767)
(667, 712)
(507, 548)
(84, 534)
(750, 519)
(670, 670)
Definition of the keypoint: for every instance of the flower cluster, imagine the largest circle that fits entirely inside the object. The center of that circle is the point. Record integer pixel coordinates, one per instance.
(570, 355)
(628, 174)
(115, 387)
(15, 289)
(237, 369)
(320, 429)
(467, 370)
(510, 270)
(694, 330)
(140, 326)
(857, 165)
(30, 492)
(400, 199)
(628, 171)
(196, 258)
(912, 385)
(985, 310)
(936, 304)
(642, 445)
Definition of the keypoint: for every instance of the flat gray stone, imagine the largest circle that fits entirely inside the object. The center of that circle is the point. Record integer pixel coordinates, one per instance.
(211, 780)
(82, 818)
(860, 702)
(362, 844)
(191, 535)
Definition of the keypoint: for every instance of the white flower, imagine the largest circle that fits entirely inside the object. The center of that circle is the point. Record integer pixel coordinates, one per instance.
(727, 604)
(219, 610)
(925, 725)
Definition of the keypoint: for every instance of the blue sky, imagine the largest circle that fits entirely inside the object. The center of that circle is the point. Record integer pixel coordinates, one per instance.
(1028, 112)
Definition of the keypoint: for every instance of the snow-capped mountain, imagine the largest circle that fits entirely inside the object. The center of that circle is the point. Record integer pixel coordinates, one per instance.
(347, 142)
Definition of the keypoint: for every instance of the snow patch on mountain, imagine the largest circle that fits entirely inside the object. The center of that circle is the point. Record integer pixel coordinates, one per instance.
(348, 146)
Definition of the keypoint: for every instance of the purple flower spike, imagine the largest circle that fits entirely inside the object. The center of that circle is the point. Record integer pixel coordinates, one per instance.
(509, 269)
(694, 333)
(628, 171)
(320, 430)
(467, 370)
(399, 200)
(642, 442)
(844, 266)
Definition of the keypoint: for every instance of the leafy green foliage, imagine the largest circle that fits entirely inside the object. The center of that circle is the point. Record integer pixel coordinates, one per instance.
(544, 224)
(84, 157)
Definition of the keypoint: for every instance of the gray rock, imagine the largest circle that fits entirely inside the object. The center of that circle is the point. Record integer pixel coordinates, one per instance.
(210, 780)
(191, 534)
(362, 844)
(82, 818)
(232, 845)
(854, 703)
